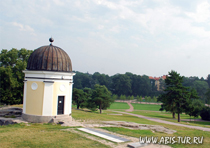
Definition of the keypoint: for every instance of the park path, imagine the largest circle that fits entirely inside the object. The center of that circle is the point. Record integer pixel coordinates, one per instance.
(131, 107)
(166, 122)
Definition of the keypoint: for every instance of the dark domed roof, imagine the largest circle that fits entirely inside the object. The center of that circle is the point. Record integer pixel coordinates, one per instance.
(50, 58)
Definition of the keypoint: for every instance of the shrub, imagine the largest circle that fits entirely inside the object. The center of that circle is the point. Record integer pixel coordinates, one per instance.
(205, 113)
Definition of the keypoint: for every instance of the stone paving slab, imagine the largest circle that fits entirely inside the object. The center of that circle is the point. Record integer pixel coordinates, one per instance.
(136, 145)
(104, 135)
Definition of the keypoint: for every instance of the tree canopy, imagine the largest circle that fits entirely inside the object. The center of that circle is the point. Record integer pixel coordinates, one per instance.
(176, 97)
(12, 63)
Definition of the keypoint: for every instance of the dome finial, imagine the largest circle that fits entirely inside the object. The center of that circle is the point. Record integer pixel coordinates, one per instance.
(51, 40)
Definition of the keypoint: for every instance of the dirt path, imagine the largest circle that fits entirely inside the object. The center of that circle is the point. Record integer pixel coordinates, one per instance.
(166, 122)
(131, 107)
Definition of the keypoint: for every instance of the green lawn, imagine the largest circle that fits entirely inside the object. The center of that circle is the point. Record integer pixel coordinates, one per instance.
(180, 132)
(151, 107)
(105, 116)
(168, 117)
(43, 136)
(47, 135)
(119, 105)
(159, 114)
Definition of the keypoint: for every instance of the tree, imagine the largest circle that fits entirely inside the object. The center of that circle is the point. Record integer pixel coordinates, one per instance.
(195, 108)
(146, 99)
(176, 96)
(201, 88)
(205, 113)
(79, 98)
(132, 97)
(102, 79)
(208, 80)
(102, 97)
(154, 99)
(12, 63)
(140, 99)
(121, 84)
(121, 97)
(208, 96)
(149, 99)
(114, 97)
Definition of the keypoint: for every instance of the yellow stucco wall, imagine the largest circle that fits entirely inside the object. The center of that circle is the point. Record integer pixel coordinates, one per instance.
(57, 92)
(34, 98)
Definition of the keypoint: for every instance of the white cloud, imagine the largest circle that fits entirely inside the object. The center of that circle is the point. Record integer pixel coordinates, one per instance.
(24, 27)
(153, 31)
(202, 13)
(58, 2)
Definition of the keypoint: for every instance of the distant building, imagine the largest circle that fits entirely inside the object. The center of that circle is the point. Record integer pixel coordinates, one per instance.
(157, 81)
(48, 85)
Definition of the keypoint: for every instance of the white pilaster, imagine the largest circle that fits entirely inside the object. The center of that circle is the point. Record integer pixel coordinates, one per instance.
(48, 99)
(24, 97)
(70, 96)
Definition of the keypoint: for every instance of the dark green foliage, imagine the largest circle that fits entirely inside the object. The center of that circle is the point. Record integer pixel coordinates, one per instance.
(205, 113)
(208, 96)
(115, 97)
(176, 96)
(79, 98)
(194, 108)
(208, 80)
(201, 88)
(12, 63)
(102, 79)
(121, 84)
(101, 98)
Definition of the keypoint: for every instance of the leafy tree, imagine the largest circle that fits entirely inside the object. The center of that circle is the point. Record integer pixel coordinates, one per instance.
(101, 97)
(114, 97)
(146, 99)
(145, 86)
(176, 96)
(140, 99)
(79, 98)
(128, 97)
(208, 80)
(132, 97)
(124, 97)
(149, 99)
(195, 108)
(121, 97)
(205, 113)
(102, 79)
(201, 88)
(121, 84)
(12, 63)
(154, 99)
(208, 96)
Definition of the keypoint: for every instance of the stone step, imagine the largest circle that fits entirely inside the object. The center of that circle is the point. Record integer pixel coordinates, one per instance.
(62, 119)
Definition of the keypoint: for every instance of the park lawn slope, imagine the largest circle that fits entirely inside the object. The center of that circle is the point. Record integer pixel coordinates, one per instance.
(95, 117)
(119, 105)
(43, 136)
(151, 107)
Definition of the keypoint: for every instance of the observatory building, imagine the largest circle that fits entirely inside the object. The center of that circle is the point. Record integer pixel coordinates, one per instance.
(48, 85)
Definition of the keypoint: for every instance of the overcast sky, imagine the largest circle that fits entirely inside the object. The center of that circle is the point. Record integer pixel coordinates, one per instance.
(149, 37)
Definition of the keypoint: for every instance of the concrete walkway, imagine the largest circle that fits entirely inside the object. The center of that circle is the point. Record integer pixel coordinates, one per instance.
(162, 121)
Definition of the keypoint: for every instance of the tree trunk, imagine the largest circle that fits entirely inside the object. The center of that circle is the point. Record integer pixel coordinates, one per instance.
(77, 106)
(173, 113)
(178, 117)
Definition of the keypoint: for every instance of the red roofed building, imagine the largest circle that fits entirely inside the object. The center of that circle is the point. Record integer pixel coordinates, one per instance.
(157, 82)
